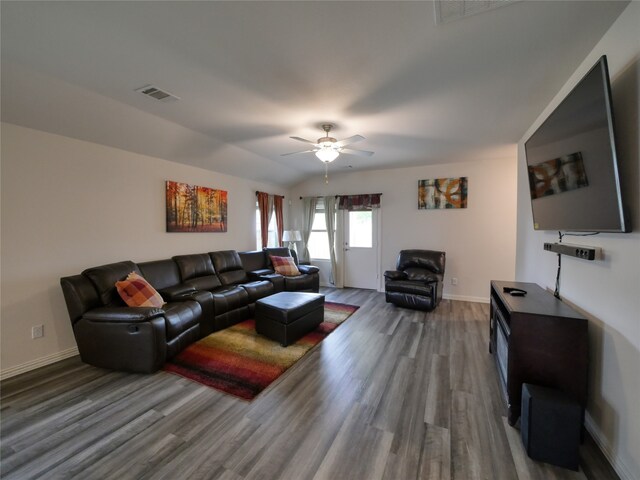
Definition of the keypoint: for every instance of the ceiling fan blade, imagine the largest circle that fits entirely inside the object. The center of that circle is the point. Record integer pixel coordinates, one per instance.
(295, 153)
(303, 140)
(349, 141)
(361, 153)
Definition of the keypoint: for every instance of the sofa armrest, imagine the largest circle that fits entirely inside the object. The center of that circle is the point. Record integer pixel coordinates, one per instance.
(118, 344)
(258, 274)
(123, 314)
(430, 278)
(395, 275)
(308, 269)
(176, 292)
(435, 278)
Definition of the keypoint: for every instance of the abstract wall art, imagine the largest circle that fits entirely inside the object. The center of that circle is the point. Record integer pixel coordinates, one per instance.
(191, 208)
(440, 193)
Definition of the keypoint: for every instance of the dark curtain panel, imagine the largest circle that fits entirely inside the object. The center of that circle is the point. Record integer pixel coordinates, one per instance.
(263, 206)
(277, 204)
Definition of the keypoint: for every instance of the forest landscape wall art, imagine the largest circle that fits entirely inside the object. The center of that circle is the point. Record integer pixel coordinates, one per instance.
(191, 208)
(439, 193)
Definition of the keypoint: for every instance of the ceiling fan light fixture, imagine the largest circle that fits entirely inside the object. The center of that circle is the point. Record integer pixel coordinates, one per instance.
(327, 153)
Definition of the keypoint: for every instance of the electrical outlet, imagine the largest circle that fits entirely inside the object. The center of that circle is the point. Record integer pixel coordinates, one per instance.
(37, 331)
(454, 281)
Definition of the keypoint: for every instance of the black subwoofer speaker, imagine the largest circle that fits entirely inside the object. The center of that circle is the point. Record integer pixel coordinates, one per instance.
(550, 426)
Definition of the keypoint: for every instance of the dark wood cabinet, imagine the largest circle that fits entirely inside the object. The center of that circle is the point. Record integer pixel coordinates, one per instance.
(537, 339)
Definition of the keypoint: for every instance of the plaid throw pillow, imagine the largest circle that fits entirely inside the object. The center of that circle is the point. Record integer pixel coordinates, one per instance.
(285, 266)
(137, 292)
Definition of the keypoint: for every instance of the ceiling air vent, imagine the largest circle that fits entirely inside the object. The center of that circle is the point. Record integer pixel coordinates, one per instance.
(449, 10)
(154, 92)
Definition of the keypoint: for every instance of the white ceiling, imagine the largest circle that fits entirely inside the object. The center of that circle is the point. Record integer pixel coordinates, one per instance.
(251, 74)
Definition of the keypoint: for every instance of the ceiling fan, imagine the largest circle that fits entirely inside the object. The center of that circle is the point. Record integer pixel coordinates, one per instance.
(328, 148)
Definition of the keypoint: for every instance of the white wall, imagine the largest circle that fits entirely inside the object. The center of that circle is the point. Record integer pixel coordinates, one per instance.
(68, 205)
(479, 241)
(608, 290)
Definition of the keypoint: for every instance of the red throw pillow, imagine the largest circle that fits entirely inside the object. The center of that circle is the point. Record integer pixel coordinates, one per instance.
(285, 266)
(137, 292)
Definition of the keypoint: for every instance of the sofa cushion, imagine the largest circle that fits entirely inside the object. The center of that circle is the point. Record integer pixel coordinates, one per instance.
(284, 266)
(161, 273)
(197, 271)
(137, 292)
(181, 316)
(225, 261)
(227, 299)
(193, 266)
(254, 260)
(209, 282)
(228, 266)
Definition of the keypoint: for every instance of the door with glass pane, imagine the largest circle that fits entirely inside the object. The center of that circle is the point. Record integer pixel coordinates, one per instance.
(361, 249)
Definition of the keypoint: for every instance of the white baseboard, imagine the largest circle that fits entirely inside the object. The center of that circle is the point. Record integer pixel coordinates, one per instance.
(465, 298)
(37, 363)
(619, 466)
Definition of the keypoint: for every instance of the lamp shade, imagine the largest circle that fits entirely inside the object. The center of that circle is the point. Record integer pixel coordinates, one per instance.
(291, 236)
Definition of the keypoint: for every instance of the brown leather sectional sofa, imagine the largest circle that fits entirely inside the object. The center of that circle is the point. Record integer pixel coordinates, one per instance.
(204, 293)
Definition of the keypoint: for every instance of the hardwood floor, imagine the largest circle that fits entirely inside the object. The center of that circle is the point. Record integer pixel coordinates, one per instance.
(391, 394)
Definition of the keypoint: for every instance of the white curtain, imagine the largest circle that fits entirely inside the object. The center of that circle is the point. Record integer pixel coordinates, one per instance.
(308, 214)
(330, 219)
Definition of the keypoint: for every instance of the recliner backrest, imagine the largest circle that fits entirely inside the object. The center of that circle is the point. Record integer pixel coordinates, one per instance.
(197, 271)
(161, 273)
(253, 260)
(228, 267)
(428, 259)
(280, 252)
(104, 280)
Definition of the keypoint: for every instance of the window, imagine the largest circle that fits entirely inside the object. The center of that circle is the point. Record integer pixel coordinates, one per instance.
(319, 240)
(272, 240)
(361, 229)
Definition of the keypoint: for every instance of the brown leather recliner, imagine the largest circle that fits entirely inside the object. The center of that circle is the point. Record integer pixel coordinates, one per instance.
(417, 281)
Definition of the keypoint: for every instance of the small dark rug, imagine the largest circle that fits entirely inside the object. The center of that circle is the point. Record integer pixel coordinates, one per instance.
(238, 361)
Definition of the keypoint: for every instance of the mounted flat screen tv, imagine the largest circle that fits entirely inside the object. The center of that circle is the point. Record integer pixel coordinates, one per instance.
(572, 163)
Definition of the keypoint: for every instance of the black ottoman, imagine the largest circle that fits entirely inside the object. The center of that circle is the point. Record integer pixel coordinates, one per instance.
(287, 316)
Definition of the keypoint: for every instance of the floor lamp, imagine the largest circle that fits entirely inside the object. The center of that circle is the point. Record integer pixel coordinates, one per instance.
(292, 236)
